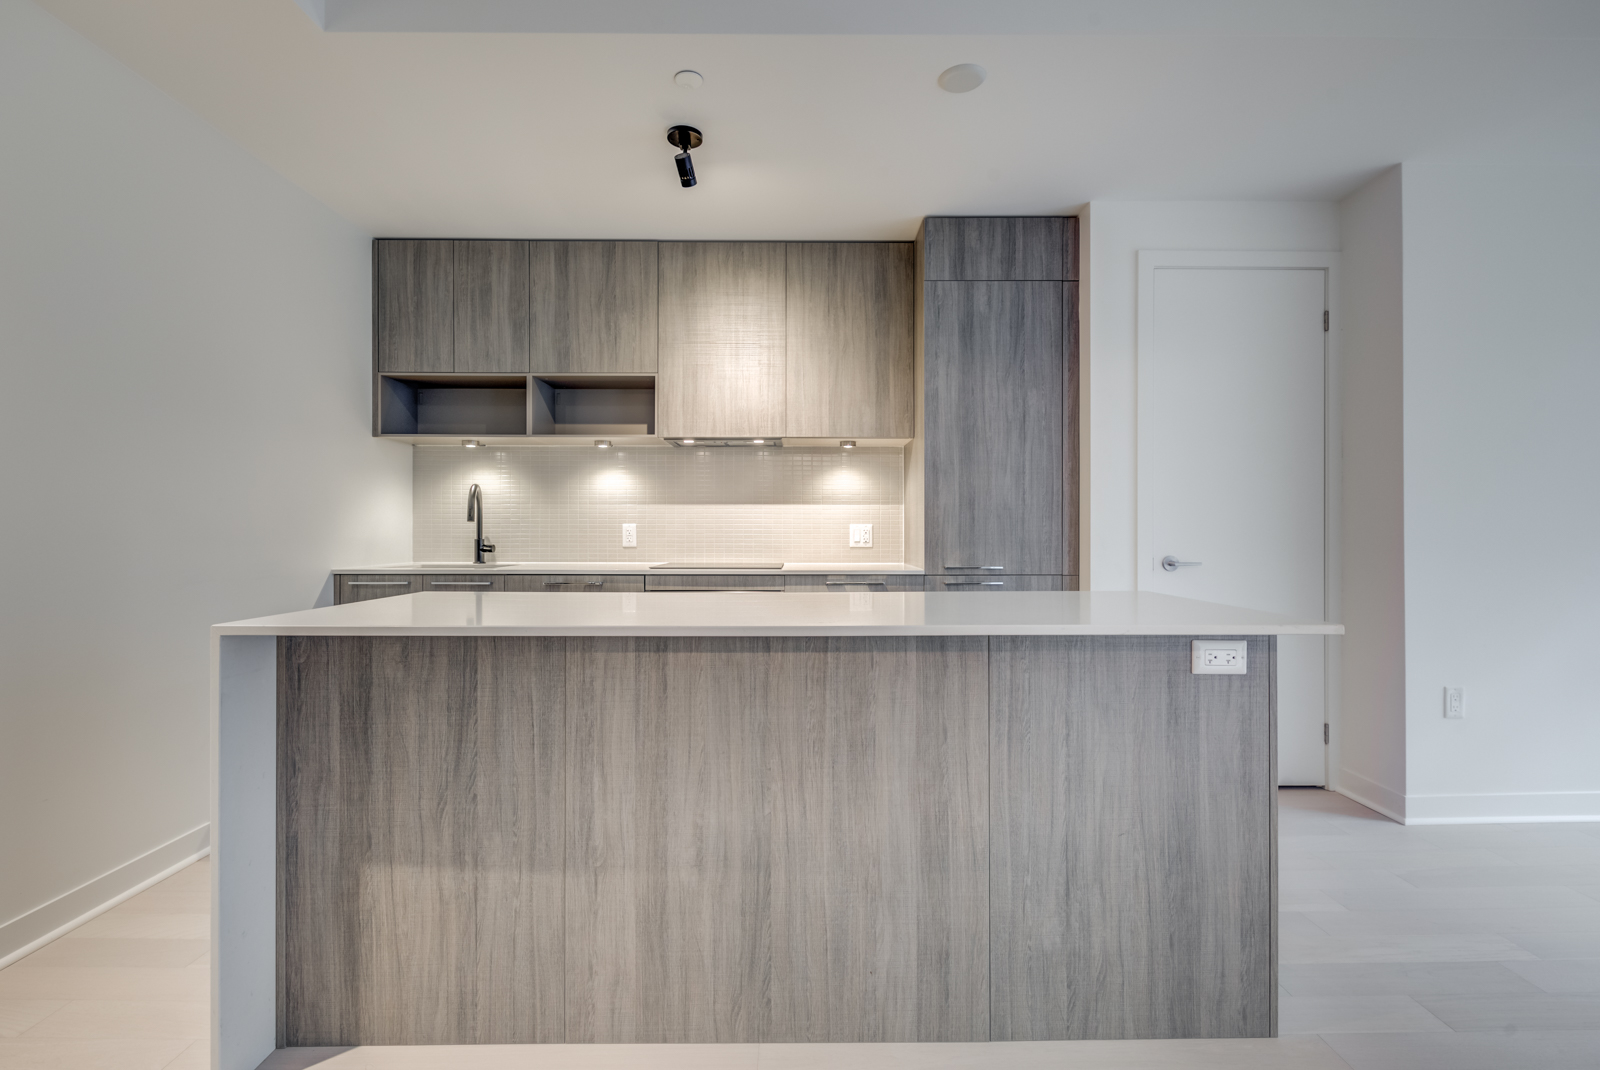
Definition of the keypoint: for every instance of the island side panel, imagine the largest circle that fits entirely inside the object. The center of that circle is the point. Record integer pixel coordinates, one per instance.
(668, 875)
(880, 848)
(243, 855)
(1132, 807)
(422, 836)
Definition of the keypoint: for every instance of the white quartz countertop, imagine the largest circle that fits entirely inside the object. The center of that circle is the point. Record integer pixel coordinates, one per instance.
(624, 568)
(779, 613)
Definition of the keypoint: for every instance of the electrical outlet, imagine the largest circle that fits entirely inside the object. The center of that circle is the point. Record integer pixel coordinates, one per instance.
(1455, 703)
(860, 535)
(1219, 657)
(630, 535)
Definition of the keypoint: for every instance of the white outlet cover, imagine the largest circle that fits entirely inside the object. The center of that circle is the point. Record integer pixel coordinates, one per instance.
(1219, 657)
(1455, 703)
(860, 535)
(630, 535)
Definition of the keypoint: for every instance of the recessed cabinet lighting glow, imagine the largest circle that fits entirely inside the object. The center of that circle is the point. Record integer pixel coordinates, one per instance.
(688, 442)
(471, 443)
(758, 441)
(847, 444)
(603, 443)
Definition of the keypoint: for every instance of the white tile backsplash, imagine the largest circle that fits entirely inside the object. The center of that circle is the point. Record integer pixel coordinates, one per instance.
(558, 503)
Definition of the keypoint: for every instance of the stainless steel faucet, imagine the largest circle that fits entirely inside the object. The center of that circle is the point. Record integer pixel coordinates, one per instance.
(475, 512)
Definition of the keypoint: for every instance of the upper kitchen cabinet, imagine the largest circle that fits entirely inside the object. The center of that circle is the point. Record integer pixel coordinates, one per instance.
(849, 349)
(491, 307)
(995, 249)
(593, 307)
(722, 339)
(993, 428)
(415, 305)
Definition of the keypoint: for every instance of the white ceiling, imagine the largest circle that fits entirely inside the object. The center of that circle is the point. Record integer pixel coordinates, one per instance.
(848, 136)
(1246, 18)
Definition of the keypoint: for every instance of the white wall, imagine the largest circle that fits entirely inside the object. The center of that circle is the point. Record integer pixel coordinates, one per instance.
(1502, 490)
(1368, 752)
(183, 440)
(1115, 233)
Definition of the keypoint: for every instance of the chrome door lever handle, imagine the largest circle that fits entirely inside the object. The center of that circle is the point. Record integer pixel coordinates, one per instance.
(1172, 564)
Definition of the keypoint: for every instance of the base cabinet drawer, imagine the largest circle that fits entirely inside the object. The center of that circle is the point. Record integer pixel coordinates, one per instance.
(980, 582)
(575, 584)
(852, 582)
(364, 588)
(470, 582)
(718, 582)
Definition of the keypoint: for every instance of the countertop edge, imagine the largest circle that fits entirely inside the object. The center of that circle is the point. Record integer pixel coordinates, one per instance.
(814, 631)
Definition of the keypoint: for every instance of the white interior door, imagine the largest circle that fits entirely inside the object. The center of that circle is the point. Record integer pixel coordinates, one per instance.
(1231, 452)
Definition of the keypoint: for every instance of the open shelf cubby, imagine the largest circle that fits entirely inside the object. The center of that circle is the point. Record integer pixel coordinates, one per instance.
(593, 405)
(424, 404)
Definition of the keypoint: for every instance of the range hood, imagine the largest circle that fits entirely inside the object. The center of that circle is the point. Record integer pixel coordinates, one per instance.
(696, 442)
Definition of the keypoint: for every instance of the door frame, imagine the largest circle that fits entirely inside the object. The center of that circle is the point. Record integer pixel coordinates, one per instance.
(1149, 261)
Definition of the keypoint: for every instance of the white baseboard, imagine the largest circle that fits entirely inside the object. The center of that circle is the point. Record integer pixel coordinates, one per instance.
(27, 933)
(1369, 793)
(1501, 809)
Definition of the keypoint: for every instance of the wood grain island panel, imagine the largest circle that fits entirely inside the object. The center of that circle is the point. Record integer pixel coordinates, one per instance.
(771, 839)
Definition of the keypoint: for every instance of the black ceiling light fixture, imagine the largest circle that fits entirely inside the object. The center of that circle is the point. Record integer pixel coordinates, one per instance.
(684, 138)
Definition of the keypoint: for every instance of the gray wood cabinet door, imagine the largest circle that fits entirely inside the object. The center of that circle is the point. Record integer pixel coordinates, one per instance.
(668, 890)
(593, 307)
(414, 280)
(1132, 808)
(722, 349)
(993, 422)
(989, 583)
(491, 307)
(421, 825)
(377, 585)
(995, 248)
(849, 339)
(592, 584)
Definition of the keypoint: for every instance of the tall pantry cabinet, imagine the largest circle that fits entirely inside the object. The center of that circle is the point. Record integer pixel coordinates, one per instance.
(996, 371)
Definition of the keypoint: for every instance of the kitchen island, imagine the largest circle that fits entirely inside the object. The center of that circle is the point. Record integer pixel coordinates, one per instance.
(450, 818)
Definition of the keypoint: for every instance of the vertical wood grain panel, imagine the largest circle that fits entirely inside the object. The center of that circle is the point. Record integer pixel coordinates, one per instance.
(668, 896)
(491, 307)
(722, 331)
(1071, 422)
(422, 817)
(879, 840)
(995, 248)
(416, 301)
(1131, 808)
(1071, 222)
(594, 307)
(993, 421)
(848, 352)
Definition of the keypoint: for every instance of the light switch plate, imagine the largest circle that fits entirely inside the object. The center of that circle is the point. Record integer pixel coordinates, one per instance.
(861, 535)
(1219, 657)
(630, 535)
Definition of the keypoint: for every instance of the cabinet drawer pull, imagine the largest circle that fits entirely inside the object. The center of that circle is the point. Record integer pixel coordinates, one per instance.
(377, 583)
(867, 581)
(985, 568)
(574, 583)
(461, 583)
(974, 583)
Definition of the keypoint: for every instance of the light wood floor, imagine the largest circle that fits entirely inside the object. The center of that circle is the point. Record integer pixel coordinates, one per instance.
(1466, 947)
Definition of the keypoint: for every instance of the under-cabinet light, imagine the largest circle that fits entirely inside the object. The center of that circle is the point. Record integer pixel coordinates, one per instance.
(471, 443)
(688, 442)
(758, 441)
(847, 443)
(603, 443)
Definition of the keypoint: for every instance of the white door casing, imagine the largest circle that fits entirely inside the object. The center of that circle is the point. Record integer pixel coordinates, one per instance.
(1233, 455)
